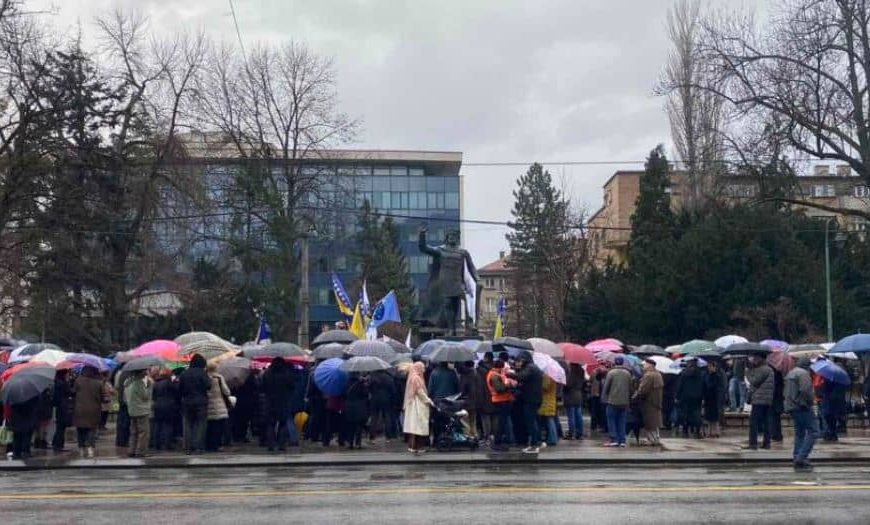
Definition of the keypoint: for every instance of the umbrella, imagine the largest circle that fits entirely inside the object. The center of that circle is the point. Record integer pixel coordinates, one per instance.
(49, 356)
(575, 353)
(207, 347)
(472, 344)
(549, 367)
(143, 363)
(235, 371)
(663, 364)
(362, 364)
(427, 347)
(673, 349)
(285, 350)
(744, 349)
(831, 372)
(857, 343)
(809, 350)
(649, 350)
(397, 346)
(709, 355)
(330, 378)
(195, 337)
(606, 345)
(727, 340)
(696, 346)
(512, 345)
(371, 348)
(545, 346)
(161, 347)
(334, 336)
(780, 360)
(483, 347)
(452, 353)
(329, 350)
(680, 363)
(24, 353)
(401, 358)
(88, 360)
(27, 384)
(774, 343)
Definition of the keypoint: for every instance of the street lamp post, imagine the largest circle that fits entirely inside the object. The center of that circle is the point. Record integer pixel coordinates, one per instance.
(828, 280)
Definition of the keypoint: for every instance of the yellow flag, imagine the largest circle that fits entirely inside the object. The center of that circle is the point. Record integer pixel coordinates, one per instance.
(498, 329)
(357, 327)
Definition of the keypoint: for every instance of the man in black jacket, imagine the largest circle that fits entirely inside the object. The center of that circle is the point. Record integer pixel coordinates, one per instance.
(194, 385)
(62, 409)
(278, 387)
(529, 396)
(690, 396)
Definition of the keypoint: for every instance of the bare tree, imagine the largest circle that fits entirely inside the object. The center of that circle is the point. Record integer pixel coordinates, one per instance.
(695, 114)
(806, 69)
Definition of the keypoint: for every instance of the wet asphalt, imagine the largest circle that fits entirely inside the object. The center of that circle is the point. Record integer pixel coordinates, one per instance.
(439, 494)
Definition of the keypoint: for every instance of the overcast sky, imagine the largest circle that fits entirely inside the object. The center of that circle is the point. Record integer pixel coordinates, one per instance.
(499, 80)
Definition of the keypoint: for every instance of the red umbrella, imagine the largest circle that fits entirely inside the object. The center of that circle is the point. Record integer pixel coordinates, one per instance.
(575, 353)
(23, 366)
(165, 349)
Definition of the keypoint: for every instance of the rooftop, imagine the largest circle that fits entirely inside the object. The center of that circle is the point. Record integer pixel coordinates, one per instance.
(497, 265)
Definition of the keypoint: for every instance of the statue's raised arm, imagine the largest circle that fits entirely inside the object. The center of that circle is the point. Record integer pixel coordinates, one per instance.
(424, 247)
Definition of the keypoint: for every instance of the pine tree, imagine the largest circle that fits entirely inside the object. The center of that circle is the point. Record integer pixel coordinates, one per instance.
(383, 265)
(544, 253)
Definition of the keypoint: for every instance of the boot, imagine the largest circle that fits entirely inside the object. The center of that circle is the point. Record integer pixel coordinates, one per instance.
(90, 452)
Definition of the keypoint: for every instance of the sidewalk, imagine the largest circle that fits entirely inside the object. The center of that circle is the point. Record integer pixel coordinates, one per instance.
(852, 449)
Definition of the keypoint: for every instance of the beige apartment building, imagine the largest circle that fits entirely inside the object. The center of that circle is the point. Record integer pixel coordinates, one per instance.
(610, 226)
(495, 278)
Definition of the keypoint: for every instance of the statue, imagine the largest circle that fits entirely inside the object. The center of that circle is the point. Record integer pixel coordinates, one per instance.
(447, 287)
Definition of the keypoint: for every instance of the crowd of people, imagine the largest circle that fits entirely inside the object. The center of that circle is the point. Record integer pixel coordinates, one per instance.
(508, 401)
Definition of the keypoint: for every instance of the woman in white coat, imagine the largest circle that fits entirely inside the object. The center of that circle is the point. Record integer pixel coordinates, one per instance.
(416, 407)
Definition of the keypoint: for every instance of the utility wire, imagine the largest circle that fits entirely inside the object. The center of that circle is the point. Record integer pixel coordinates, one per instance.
(238, 32)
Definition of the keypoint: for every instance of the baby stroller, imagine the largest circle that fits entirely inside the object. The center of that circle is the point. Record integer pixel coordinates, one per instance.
(449, 429)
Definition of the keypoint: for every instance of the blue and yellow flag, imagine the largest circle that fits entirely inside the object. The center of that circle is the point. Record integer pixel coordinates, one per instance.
(357, 327)
(341, 297)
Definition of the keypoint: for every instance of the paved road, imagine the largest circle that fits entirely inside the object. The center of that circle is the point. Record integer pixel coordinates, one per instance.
(438, 494)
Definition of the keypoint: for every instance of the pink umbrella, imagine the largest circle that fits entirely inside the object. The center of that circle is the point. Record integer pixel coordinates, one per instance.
(161, 348)
(575, 353)
(780, 360)
(605, 345)
(775, 344)
(550, 367)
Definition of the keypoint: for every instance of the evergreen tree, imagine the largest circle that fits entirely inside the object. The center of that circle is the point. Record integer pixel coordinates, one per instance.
(382, 264)
(544, 254)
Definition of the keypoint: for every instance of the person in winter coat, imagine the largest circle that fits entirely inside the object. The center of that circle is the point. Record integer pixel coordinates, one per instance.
(714, 397)
(469, 387)
(547, 411)
(122, 421)
(649, 396)
(486, 409)
(165, 403)
(63, 403)
(597, 417)
(109, 400)
(137, 394)
(382, 388)
(278, 388)
(690, 396)
(219, 406)
(245, 409)
(194, 385)
(798, 403)
(416, 407)
(669, 399)
(88, 390)
(761, 385)
(617, 393)
(443, 382)
(529, 397)
(22, 422)
(833, 407)
(572, 398)
(43, 418)
(776, 406)
(356, 410)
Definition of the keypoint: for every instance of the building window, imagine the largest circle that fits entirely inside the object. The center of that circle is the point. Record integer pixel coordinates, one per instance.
(857, 224)
(741, 190)
(824, 190)
(451, 201)
(381, 170)
(862, 191)
(418, 264)
(416, 172)
(490, 305)
(341, 263)
(321, 296)
(397, 171)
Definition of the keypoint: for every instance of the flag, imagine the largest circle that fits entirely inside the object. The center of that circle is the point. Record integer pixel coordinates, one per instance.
(263, 332)
(366, 307)
(500, 311)
(341, 297)
(408, 339)
(470, 294)
(499, 329)
(387, 309)
(357, 327)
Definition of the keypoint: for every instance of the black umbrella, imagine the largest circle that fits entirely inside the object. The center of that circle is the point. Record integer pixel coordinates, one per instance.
(27, 384)
(285, 350)
(329, 350)
(452, 353)
(398, 347)
(372, 348)
(143, 363)
(514, 346)
(362, 364)
(738, 349)
(333, 336)
(235, 371)
(649, 350)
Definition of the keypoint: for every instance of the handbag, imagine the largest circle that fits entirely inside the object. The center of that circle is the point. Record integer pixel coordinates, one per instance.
(229, 401)
(5, 435)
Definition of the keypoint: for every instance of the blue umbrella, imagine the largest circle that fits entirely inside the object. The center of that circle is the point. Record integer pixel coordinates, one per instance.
(831, 372)
(854, 343)
(330, 378)
(88, 360)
